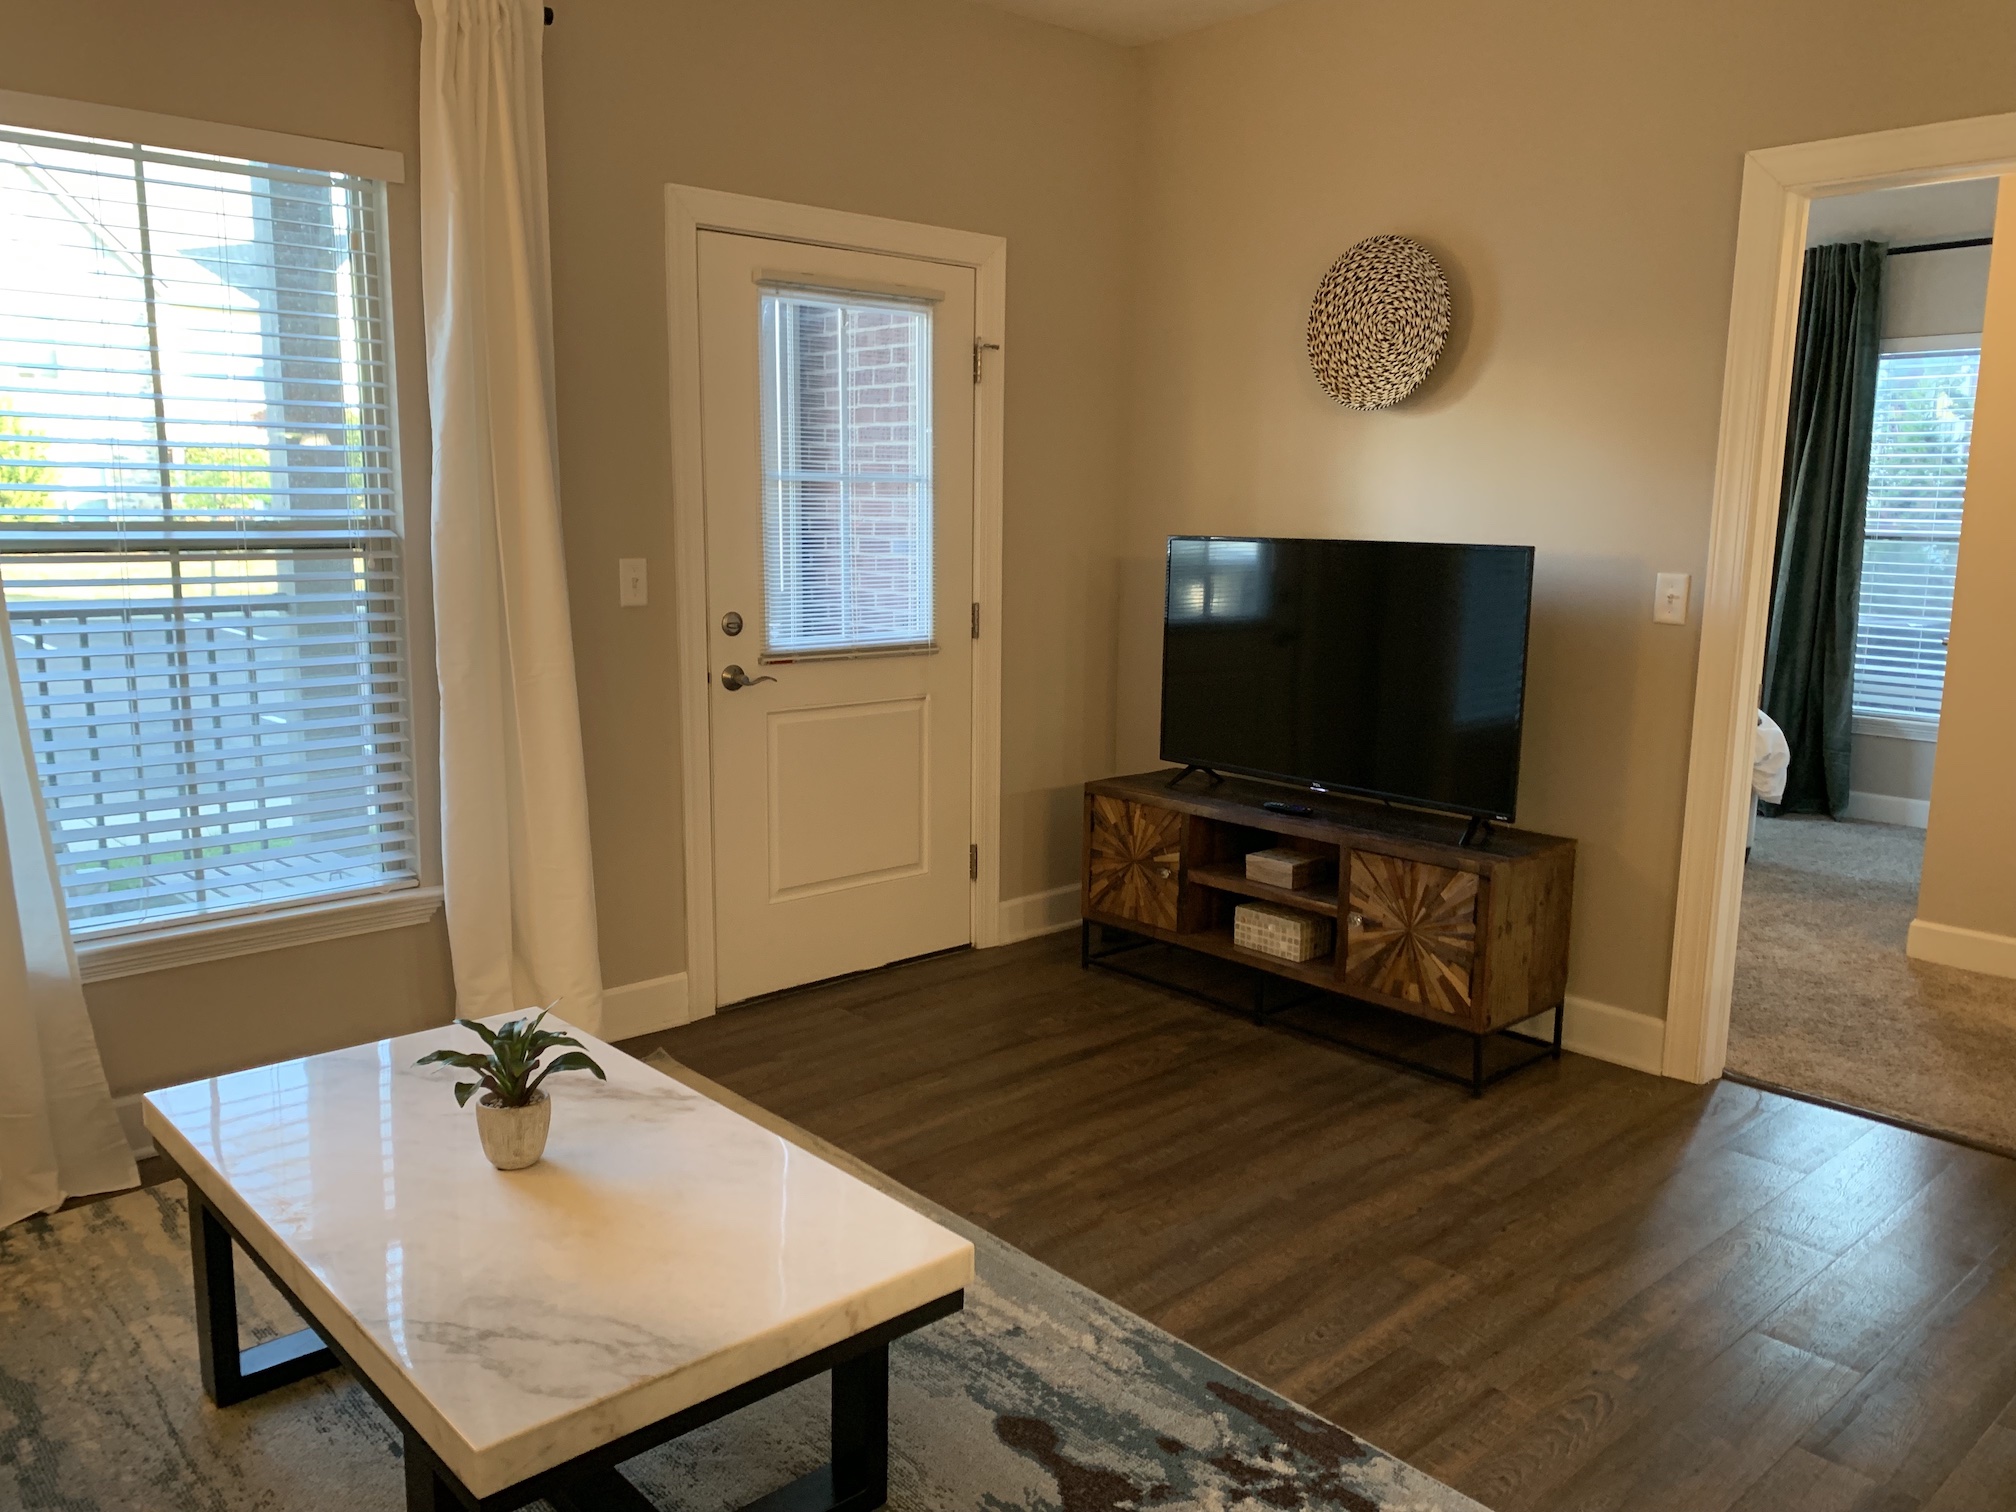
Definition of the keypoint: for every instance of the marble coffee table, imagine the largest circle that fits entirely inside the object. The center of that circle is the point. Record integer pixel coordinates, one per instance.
(667, 1263)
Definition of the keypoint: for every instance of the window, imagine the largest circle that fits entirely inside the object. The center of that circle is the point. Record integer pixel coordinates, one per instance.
(846, 474)
(199, 528)
(1911, 541)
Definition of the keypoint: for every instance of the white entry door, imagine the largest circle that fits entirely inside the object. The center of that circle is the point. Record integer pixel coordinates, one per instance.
(837, 466)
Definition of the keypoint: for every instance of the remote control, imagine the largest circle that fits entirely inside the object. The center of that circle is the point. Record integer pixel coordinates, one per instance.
(1275, 806)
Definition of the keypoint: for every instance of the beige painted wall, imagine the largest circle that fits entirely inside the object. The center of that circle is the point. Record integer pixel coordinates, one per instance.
(1968, 879)
(1576, 166)
(945, 113)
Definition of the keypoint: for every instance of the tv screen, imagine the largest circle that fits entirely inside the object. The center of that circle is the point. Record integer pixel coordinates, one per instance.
(1393, 669)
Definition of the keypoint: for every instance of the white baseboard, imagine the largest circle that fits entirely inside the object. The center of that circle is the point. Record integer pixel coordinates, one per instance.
(1042, 913)
(1969, 949)
(1606, 1033)
(1888, 808)
(644, 1007)
(137, 1137)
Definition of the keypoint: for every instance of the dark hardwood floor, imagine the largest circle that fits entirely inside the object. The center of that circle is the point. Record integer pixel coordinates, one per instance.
(1590, 1289)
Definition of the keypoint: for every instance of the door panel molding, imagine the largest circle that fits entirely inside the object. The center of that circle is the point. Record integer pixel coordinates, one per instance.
(688, 212)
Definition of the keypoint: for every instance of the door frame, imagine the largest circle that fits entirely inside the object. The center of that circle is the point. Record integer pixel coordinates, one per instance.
(1779, 186)
(688, 212)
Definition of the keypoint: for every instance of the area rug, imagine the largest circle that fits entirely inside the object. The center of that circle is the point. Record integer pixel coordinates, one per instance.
(1827, 1003)
(1040, 1396)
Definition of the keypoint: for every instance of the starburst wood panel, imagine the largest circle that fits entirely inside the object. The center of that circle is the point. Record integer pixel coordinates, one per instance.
(1411, 932)
(1134, 861)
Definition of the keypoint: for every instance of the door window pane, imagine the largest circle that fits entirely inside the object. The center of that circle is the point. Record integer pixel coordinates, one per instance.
(846, 473)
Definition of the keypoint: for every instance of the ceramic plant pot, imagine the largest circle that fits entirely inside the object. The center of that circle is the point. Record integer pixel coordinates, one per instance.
(514, 1138)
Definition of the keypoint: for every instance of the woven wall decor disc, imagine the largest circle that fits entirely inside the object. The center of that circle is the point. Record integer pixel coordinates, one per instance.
(1378, 322)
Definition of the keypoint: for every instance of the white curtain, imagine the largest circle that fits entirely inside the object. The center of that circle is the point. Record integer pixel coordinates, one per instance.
(59, 1136)
(514, 802)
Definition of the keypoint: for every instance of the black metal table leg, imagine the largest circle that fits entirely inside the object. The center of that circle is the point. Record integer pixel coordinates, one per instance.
(426, 1489)
(857, 1479)
(861, 1430)
(1560, 1015)
(232, 1374)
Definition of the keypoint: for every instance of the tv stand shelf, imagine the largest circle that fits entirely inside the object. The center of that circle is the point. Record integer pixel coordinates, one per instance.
(1232, 878)
(1471, 937)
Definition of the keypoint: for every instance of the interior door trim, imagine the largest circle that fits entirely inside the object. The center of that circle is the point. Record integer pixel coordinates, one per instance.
(688, 212)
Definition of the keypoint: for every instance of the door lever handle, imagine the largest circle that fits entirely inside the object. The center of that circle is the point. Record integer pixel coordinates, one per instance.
(733, 677)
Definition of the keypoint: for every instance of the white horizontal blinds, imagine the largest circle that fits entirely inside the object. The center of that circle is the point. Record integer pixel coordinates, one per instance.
(847, 498)
(1911, 541)
(198, 527)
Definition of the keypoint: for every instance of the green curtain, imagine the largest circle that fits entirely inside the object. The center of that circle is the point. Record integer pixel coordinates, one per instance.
(1816, 580)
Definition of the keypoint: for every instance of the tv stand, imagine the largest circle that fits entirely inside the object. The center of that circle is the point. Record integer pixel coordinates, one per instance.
(1215, 778)
(1464, 929)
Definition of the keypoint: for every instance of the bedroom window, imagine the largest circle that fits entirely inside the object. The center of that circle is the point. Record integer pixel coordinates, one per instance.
(199, 528)
(1911, 540)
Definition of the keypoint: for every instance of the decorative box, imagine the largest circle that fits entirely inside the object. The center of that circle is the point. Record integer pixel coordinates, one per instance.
(1284, 933)
(1287, 868)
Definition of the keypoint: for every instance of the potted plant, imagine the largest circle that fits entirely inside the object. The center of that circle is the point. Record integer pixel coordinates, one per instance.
(514, 1115)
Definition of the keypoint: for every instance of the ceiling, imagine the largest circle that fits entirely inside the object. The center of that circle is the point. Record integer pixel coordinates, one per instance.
(1906, 217)
(1131, 21)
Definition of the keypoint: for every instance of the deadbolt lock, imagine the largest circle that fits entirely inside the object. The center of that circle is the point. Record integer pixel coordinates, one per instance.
(731, 623)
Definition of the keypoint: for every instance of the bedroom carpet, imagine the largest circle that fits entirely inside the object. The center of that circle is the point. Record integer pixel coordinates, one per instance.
(1826, 1002)
(1040, 1396)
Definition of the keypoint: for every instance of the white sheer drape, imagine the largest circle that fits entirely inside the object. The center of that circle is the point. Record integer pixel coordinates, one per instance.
(520, 894)
(58, 1134)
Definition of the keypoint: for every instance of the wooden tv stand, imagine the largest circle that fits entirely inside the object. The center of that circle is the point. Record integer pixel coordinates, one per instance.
(1471, 937)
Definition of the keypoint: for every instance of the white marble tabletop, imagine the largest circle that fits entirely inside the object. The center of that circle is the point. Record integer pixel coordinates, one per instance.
(664, 1251)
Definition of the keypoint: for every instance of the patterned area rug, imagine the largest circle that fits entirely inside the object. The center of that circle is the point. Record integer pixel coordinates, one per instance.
(1040, 1396)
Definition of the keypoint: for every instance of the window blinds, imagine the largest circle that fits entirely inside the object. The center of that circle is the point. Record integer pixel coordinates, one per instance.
(199, 533)
(1911, 541)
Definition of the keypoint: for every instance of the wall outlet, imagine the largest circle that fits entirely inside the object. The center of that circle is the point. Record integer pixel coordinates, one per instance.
(1669, 598)
(632, 591)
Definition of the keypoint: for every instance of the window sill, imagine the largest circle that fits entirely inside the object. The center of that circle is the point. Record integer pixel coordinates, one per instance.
(1897, 729)
(188, 944)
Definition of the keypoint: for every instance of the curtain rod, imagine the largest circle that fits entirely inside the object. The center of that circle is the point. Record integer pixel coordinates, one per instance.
(1945, 246)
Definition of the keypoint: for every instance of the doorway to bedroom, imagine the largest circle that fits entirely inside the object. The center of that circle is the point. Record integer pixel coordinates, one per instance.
(1831, 1000)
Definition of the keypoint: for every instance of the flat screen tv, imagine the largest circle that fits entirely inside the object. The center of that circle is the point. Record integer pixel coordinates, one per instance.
(1390, 669)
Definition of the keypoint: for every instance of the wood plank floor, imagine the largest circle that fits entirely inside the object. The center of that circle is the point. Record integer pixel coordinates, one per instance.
(1590, 1289)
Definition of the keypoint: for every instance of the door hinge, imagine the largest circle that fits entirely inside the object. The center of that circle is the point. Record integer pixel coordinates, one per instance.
(976, 621)
(973, 863)
(980, 346)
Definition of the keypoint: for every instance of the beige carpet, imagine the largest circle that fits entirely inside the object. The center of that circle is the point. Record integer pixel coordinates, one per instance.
(1827, 1003)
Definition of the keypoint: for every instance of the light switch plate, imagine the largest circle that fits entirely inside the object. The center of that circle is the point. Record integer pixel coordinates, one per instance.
(632, 590)
(1669, 598)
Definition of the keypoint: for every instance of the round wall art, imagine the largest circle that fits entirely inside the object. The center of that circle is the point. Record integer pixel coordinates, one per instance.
(1378, 322)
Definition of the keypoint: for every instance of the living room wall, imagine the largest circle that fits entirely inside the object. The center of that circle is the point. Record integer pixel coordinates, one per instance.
(951, 114)
(1576, 167)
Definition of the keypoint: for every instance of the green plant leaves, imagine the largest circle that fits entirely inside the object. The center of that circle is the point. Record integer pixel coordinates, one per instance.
(573, 1060)
(508, 1067)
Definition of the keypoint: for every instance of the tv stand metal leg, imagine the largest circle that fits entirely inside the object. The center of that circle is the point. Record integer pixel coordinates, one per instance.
(1560, 1018)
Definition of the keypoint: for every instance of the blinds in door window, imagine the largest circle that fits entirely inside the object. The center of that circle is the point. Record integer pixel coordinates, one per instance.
(846, 473)
(199, 534)
(1911, 540)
